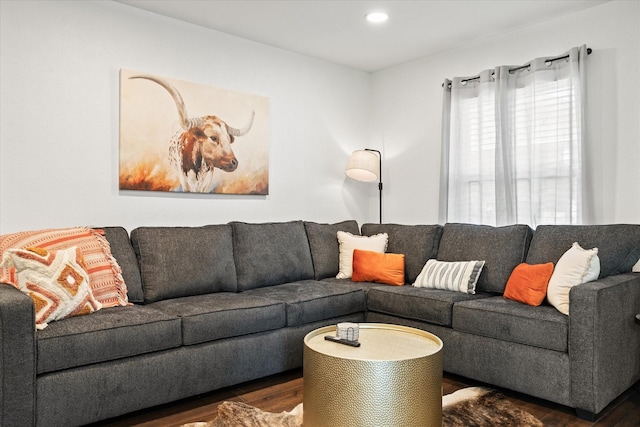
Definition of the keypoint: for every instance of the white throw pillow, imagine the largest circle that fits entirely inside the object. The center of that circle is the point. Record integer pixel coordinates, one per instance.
(459, 276)
(575, 266)
(636, 268)
(348, 242)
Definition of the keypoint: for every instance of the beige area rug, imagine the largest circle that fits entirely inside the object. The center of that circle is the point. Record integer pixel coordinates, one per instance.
(468, 407)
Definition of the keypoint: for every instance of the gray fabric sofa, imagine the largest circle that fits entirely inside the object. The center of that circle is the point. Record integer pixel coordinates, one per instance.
(219, 305)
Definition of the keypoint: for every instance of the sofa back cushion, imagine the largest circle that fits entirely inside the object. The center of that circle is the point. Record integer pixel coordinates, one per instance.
(418, 243)
(502, 249)
(618, 244)
(183, 261)
(325, 249)
(270, 254)
(124, 254)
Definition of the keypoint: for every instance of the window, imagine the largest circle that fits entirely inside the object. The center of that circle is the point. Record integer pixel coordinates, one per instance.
(512, 142)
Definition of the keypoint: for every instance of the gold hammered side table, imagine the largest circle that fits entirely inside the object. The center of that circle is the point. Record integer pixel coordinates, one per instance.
(393, 379)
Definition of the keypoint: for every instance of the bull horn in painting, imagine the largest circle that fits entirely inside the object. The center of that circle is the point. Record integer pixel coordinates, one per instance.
(185, 122)
(242, 131)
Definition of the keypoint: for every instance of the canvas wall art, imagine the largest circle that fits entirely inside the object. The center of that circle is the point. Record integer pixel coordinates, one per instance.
(185, 137)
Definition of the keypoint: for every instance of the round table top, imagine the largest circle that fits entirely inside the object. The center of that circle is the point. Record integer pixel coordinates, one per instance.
(378, 342)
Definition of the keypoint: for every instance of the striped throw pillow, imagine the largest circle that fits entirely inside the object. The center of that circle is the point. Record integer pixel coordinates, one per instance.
(459, 276)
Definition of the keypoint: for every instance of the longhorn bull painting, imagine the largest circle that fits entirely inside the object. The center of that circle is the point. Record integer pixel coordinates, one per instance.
(162, 148)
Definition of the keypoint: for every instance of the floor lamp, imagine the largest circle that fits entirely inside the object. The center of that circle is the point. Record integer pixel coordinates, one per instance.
(366, 166)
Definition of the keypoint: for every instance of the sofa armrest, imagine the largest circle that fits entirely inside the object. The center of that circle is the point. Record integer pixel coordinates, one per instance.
(17, 358)
(604, 340)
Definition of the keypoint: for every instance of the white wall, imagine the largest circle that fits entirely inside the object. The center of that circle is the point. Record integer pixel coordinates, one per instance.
(59, 119)
(408, 105)
(59, 64)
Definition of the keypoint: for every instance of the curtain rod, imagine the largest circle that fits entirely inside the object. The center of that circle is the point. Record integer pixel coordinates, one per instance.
(522, 67)
(550, 60)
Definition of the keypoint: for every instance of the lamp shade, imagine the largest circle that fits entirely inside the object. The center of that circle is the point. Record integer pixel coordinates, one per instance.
(363, 165)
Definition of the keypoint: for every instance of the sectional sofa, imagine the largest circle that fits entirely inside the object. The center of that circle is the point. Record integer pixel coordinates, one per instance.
(219, 305)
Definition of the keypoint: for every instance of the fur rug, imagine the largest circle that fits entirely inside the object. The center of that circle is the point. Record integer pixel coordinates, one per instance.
(468, 407)
(238, 414)
(483, 407)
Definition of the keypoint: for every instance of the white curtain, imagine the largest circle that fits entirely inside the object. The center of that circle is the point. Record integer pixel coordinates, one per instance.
(512, 144)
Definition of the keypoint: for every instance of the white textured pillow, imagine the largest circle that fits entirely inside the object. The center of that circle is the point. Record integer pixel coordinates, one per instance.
(459, 276)
(575, 266)
(636, 268)
(56, 281)
(348, 242)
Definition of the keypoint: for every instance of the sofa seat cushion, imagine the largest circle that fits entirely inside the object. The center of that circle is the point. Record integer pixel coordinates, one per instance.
(507, 320)
(311, 301)
(365, 286)
(223, 315)
(427, 305)
(109, 334)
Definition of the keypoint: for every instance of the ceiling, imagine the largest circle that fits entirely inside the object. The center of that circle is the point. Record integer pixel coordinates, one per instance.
(336, 31)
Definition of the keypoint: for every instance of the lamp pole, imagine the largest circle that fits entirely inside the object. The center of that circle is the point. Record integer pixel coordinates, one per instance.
(380, 179)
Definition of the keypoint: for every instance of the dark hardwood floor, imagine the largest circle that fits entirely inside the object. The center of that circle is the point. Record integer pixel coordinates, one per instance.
(283, 392)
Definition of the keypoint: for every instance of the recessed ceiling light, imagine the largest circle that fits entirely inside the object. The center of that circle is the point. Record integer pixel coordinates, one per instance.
(377, 17)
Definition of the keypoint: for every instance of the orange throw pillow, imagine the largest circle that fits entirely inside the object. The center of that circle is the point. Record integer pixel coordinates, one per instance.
(528, 283)
(378, 267)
